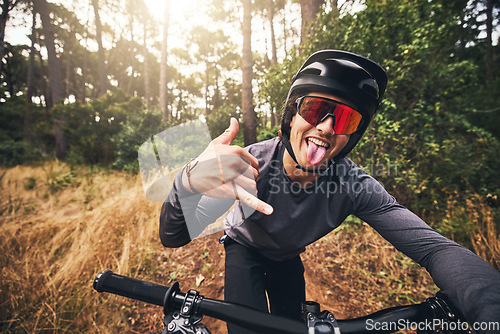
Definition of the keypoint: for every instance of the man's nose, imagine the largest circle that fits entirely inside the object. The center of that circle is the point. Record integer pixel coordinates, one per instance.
(326, 125)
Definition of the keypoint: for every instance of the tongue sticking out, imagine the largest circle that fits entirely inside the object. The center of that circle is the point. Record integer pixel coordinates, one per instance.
(315, 153)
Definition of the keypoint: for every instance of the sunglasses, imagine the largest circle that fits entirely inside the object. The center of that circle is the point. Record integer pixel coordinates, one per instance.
(315, 110)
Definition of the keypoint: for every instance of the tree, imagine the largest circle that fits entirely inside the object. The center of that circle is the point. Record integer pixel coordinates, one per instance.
(6, 6)
(147, 86)
(163, 63)
(103, 86)
(249, 118)
(309, 10)
(489, 41)
(268, 9)
(56, 87)
(30, 80)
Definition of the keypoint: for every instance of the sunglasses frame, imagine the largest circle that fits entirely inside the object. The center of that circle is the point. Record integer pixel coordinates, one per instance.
(299, 100)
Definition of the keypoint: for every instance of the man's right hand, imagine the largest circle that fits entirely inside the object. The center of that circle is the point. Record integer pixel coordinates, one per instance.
(223, 170)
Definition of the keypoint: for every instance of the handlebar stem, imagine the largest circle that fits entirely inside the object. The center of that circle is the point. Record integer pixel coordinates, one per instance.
(319, 322)
(187, 321)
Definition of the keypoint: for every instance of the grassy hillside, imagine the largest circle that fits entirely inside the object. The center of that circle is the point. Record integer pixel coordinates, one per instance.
(59, 228)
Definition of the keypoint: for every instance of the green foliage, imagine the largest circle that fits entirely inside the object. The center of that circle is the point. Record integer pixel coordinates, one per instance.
(425, 134)
(58, 179)
(14, 70)
(485, 111)
(108, 130)
(140, 126)
(421, 126)
(16, 152)
(18, 146)
(265, 134)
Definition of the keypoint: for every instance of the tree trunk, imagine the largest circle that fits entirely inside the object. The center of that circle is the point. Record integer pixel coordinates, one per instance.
(163, 65)
(56, 87)
(30, 81)
(3, 21)
(287, 32)
(83, 88)
(44, 84)
(207, 67)
(147, 87)
(103, 86)
(274, 56)
(68, 88)
(131, 55)
(54, 67)
(271, 12)
(489, 41)
(309, 10)
(84, 78)
(249, 121)
(6, 6)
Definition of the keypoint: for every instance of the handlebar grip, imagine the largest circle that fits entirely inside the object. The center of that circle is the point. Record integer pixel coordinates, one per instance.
(129, 287)
(417, 312)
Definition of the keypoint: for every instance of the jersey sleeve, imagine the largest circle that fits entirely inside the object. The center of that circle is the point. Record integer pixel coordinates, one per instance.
(469, 281)
(185, 215)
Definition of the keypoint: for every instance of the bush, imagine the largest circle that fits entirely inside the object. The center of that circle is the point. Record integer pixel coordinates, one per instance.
(17, 144)
(18, 152)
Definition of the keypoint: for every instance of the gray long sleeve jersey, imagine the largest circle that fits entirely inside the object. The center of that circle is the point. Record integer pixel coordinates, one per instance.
(303, 215)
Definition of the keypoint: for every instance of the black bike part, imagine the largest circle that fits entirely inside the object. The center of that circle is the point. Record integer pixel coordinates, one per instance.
(129, 287)
(394, 315)
(443, 309)
(249, 318)
(175, 323)
(318, 322)
(240, 315)
(168, 297)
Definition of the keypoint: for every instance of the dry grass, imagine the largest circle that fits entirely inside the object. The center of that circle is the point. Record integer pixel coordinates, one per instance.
(486, 237)
(54, 243)
(59, 228)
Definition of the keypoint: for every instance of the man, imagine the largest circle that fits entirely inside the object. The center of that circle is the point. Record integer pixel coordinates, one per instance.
(305, 187)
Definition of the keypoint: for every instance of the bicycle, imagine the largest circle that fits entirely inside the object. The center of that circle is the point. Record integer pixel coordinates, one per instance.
(184, 312)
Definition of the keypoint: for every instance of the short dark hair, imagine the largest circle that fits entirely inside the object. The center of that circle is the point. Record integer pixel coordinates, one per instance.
(289, 110)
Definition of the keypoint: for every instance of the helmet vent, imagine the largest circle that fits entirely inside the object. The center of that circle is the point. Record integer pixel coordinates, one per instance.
(369, 86)
(312, 70)
(370, 90)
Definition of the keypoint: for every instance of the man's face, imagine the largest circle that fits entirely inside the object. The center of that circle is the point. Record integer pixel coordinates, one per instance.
(314, 146)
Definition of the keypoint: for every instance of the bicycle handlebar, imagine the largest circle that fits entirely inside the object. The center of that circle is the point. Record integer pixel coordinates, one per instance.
(153, 293)
(412, 313)
(171, 297)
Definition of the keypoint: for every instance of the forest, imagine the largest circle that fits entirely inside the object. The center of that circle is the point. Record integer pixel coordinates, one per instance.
(85, 83)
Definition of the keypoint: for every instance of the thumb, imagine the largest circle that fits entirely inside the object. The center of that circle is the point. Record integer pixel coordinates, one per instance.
(228, 136)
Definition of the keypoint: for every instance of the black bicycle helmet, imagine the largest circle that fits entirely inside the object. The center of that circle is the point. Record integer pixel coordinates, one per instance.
(352, 77)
